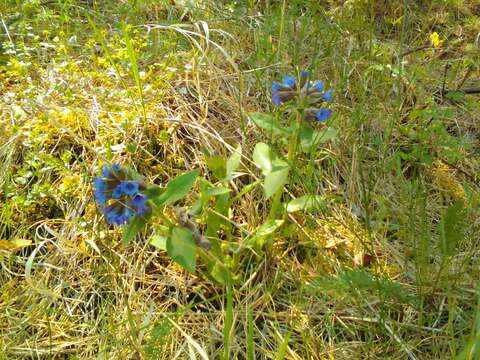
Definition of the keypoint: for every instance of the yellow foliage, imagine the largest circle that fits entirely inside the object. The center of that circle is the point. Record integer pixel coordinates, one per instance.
(12, 245)
(435, 40)
(444, 178)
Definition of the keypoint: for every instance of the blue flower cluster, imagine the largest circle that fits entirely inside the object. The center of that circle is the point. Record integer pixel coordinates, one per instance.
(120, 197)
(313, 91)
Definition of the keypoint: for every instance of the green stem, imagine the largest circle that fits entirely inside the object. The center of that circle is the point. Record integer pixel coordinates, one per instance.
(292, 150)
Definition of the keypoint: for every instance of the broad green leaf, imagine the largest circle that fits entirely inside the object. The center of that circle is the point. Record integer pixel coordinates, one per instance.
(220, 273)
(263, 156)
(310, 138)
(182, 248)
(159, 241)
(197, 206)
(233, 162)
(269, 227)
(153, 191)
(275, 180)
(267, 122)
(176, 189)
(132, 229)
(304, 202)
(217, 165)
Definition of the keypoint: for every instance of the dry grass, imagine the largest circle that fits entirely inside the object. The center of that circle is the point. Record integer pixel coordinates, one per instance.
(364, 279)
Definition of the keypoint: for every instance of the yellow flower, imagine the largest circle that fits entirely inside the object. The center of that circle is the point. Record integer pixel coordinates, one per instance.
(435, 39)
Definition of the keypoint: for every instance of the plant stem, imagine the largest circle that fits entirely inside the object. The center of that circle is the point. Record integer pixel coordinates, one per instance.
(292, 150)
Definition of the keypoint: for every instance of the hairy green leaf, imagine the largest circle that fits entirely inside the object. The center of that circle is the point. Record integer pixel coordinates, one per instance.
(182, 248)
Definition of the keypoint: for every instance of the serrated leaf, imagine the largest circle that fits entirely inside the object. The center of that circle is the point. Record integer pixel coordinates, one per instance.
(159, 241)
(267, 122)
(182, 248)
(275, 180)
(304, 202)
(132, 229)
(263, 156)
(176, 189)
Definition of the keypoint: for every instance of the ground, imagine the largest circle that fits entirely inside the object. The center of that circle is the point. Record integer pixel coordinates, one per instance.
(386, 267)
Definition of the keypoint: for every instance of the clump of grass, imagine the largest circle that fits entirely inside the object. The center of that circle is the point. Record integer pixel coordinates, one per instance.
(388, 268)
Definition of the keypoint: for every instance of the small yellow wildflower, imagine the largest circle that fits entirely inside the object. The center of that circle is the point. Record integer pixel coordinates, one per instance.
(435, 39)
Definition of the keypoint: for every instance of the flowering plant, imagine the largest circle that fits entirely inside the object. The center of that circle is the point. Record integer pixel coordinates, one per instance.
(120, 196)
(300, 104)
(305, 90)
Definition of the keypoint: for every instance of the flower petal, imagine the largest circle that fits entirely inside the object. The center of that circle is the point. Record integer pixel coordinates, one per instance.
(328, 96)
(323, 114)
(289, 81)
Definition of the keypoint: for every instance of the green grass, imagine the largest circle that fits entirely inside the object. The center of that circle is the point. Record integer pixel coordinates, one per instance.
(387, 269)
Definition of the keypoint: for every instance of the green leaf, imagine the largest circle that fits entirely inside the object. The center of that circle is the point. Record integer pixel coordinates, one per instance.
(182, 248)
(304, 202)
(220, 273)
(217, 165)
(215, 191)
(275, 180)
(176, 189)
(153, 191)
(263, 156)
(455, 95)
(269, 227)
(132, 229)
(132, 148)
(263, 231)
(452, 228)
(159, 241)
(310, 138)
(267, 122)
(233, 162)
(160, 336)
(274, 169)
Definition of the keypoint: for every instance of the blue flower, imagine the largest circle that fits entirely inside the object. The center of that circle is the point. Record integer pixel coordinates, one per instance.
(302, 88)
(328, 95)
(317, 86)
(285, 91)
(277, 99)
(129, 187)
(276, 87)
(117, 192)
(323, 114)
(100, 188)
(304, 73)
(119, 196)
(118, 215)
(289, 81)
(140, 203)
